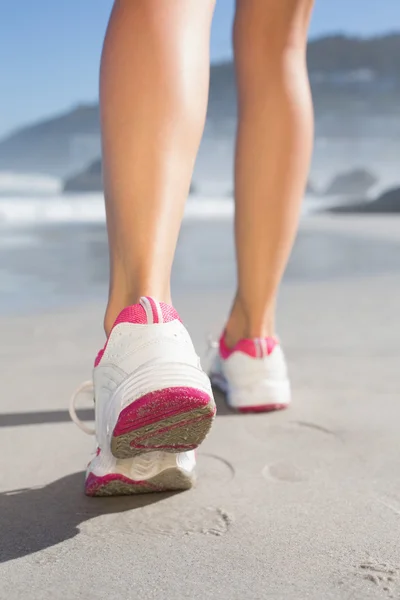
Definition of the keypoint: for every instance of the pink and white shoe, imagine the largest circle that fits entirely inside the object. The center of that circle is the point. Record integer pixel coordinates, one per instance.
(253, 375)
(150, 472)
(151, 394)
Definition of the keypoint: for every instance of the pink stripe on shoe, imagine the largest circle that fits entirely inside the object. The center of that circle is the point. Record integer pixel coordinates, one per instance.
(99, 356)
(256, 348)
(132, 314)
(262, 408)
(162, 313)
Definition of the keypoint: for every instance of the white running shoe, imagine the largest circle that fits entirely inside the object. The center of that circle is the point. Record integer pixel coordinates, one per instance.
(149, 472)
(151, 396)
(253, 375)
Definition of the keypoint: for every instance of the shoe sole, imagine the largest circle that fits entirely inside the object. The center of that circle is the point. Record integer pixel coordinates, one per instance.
(115, 484)
(221, 384)
(174, 419)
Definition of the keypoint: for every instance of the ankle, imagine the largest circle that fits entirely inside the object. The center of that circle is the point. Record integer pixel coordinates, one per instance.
(249, 323)
(117, 302)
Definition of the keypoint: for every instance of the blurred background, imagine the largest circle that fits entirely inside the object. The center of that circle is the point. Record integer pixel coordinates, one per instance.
(303, 503)
(52, 228)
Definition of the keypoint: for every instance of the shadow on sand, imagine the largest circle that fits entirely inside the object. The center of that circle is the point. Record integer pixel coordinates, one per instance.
(38, 518)
(34, 519)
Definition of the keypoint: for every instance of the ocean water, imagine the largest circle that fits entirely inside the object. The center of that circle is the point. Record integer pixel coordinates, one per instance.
(28, 201)
(54, 253)
(34, 200)
(53, 247)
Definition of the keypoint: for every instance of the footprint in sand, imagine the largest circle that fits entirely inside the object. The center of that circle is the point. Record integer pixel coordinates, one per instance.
(182, 518)
(383, 575)
(285, 471)
(170, 517)
(173, 519)
(214, 469)
(172, 514)
(296, 438)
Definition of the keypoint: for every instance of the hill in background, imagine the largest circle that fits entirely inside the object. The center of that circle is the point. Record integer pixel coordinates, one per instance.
(355, 82)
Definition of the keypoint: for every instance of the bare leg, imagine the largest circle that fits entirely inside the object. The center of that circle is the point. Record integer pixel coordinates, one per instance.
(153, 92)
(274, 144)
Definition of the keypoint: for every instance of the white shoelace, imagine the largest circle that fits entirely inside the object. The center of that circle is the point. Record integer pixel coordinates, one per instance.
(84, 388)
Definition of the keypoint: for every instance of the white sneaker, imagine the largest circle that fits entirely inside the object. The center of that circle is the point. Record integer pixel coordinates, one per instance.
(149, 472)
(253, 375)
(151, 395)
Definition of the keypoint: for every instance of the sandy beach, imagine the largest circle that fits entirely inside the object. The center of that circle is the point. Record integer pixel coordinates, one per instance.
(300, 504)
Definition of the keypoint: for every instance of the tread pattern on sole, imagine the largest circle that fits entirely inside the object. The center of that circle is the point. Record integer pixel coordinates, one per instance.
(170, 426)
(169, 480)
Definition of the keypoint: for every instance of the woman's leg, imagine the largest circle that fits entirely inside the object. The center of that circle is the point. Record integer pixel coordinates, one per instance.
(273, 151)
(153, 92)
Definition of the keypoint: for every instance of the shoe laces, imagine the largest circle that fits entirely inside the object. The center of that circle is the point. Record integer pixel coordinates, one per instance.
(85, 388)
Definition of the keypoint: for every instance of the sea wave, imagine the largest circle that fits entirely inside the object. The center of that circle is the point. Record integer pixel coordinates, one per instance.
(39, 210)
(89, 208)
(28, 184)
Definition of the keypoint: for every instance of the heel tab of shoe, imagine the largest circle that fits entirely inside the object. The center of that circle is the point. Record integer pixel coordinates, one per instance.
(158, 312)
(254, 347)
(148, 312)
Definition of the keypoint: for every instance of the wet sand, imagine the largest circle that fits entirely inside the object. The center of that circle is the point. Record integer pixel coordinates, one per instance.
(59, 266)
(300, 504)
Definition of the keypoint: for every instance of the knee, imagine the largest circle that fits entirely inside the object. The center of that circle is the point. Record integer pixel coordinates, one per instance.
(271, 28)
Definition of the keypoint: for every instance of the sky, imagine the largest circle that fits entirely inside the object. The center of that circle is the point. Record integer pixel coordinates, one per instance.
(50, 49)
